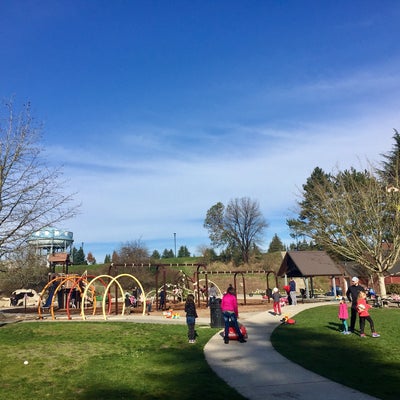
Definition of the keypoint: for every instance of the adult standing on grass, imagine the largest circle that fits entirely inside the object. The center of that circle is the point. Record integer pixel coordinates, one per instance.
(352, 295)
(292, 286)
(191, 315)
(230, 313)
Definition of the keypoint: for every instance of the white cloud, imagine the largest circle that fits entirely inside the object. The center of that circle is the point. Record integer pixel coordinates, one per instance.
(152, 181)
(167, 195)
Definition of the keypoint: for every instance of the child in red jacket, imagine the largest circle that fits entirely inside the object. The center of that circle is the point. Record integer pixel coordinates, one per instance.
(362, 308)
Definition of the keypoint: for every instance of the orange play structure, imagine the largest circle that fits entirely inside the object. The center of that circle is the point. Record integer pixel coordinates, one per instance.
(72, 291)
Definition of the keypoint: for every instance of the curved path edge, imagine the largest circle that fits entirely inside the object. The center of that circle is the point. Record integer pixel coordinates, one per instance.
(258, 372)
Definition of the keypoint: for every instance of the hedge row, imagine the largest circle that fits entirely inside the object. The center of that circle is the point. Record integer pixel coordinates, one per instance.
(393, 288)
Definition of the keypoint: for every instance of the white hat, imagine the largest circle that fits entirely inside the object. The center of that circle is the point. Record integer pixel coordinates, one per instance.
(275, 289)
(354, 279)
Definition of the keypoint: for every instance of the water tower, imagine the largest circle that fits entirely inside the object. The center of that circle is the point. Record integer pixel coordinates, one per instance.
(51, 240)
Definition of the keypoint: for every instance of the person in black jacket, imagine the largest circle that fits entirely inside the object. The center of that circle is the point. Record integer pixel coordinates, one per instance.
(191, 315)
(352, 296)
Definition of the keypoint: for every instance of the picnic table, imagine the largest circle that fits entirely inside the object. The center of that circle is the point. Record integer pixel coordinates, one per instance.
(388, 301)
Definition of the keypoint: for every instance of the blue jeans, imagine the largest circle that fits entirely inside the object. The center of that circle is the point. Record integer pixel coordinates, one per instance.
(230, 319)
(191, 321)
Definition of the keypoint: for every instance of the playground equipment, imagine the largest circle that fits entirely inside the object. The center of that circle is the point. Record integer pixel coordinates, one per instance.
(74, 291)
(202, 270)
(69, 291)
(27, 297)
(65, 290)
(113, 280)
(209, 281)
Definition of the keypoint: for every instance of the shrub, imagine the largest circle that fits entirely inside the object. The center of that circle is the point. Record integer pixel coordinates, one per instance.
(393, 288)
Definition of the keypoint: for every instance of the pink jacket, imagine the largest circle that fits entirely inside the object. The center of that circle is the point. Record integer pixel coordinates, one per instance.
(229, 303)
(343, 313)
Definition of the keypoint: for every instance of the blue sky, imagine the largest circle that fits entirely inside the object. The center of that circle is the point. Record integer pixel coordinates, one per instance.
(160, 109)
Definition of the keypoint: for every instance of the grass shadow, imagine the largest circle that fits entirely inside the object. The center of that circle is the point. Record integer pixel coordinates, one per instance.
(335, 326)
(314, 343)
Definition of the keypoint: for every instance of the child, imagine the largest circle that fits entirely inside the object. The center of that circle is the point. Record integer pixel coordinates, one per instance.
(287, 290)
(343, 315)
(362, 309)
(191, 315)
(149, 304)
(276, 297)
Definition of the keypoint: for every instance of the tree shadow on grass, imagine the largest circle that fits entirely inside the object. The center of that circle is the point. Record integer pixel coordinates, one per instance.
(363, 364)
(176, 372)
(334, 326)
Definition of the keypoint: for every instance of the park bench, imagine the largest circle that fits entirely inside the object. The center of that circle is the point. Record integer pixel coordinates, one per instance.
(388, 301)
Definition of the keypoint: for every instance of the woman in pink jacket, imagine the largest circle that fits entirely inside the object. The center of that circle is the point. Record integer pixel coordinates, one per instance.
(230, 313)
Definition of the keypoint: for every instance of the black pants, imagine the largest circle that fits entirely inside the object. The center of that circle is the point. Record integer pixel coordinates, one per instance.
(362, 323)
(191, 321)
(353, 319)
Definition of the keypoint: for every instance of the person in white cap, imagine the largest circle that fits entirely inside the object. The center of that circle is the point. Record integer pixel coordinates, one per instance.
(352, 296)
(276, 297)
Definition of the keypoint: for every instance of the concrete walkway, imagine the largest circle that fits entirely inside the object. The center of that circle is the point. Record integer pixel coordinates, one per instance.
(259, 372)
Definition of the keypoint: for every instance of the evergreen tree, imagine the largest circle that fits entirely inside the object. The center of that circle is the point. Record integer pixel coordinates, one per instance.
(183, 252)
(303, 245)
(389, 174)
(209, 255)
(78, 256)
(354, 215)
(276, 245)
(168, 253)
(156, 255)
(107, 259)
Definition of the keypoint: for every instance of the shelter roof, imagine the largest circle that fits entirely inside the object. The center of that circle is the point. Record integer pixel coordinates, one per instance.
(59, 258)
(308, 263)
(352, 268)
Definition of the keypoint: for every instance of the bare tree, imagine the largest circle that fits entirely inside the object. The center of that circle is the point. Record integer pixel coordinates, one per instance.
(244, 224)
(24, 270)
(134, 252)
(240, 225)
(352, 214)
(31, 195)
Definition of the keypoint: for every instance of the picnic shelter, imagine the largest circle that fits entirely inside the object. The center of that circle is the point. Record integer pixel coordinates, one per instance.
(309, 264)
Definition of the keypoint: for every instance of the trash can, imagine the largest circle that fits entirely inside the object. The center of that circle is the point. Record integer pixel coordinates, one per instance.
(216, 317)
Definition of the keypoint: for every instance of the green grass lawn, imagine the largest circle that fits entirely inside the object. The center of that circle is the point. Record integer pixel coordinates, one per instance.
(371, 365)
(121, 360)
(106, 360)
